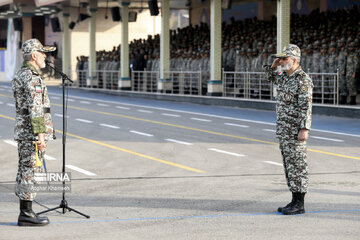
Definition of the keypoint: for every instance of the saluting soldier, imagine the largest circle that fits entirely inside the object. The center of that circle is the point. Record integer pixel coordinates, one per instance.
(33, 126)
(293, 121)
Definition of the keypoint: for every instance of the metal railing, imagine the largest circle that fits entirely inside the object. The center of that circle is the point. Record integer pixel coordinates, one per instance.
(326, 87)
(254, 85)
(246, 85)
(106, 79)
(144, 81)
(175, 82)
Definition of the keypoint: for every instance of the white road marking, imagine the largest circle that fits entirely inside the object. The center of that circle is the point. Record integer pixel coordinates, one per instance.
(144, 111)
(273, 163)
(85, 102)
(173, 110)
(70, 100)
(141, 133)
(338, 133)
(47, 157)
(201, 119)
(230, 153)
(236, 125)
(1, 89)
(13, 143)
(126, 108)
(204, 114)
(170, 115)
(1, 102)
(102, 105)
(60, 115)
(83, 120)
(269, 130)
(10, 104)
(327, 139)
(55, 97)
(109, 126)
(80, 170)
(177, 141)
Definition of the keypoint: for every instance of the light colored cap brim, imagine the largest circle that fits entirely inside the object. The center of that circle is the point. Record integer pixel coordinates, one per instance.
(280, 55)
(47, 49)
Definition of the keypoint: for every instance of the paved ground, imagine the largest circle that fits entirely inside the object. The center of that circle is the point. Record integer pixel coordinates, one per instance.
(165, 170)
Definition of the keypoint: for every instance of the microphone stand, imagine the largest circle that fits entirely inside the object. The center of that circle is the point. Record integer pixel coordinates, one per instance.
(63, 204)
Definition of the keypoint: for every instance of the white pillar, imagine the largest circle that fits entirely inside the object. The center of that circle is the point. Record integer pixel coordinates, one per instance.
(283, 24)
(215, 85)
(164, 83)
(66, 42)
(124, 82)
(92, 80)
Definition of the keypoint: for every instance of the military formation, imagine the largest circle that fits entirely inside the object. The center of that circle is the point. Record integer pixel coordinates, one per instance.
(248, 44)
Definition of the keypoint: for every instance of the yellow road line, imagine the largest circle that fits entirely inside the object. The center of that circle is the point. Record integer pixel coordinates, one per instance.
(134, 153)
(124, 150)
(10, 118)
(166, 124)
(202, 130)
(196, 129)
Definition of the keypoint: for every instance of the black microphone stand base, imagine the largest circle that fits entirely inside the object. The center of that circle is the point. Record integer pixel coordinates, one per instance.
(64, 206)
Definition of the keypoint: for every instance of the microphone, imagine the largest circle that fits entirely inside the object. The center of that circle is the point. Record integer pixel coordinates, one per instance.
(63, 75)
(47, 63)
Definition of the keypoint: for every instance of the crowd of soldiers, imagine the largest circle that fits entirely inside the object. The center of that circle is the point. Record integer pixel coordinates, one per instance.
(330, 42)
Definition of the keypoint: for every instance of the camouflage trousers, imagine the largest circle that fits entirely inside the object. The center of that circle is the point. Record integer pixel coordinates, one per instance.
(351, 84)
(25, 178)
(295, 164)
(342, 85)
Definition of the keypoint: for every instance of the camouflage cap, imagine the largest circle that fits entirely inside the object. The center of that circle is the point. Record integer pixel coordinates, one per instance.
(291, 50)
(33, 45)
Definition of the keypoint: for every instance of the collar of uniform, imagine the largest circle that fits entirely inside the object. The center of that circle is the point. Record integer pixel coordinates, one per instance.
(298, 69)
(28, 65)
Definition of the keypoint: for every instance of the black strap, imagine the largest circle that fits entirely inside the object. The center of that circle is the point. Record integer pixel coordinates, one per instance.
(26, 112)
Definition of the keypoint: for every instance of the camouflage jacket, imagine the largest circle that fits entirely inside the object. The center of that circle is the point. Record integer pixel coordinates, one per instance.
(32, 105)
(294, 101)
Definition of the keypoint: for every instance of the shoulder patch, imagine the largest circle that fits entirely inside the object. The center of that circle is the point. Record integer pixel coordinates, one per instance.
(303, 88)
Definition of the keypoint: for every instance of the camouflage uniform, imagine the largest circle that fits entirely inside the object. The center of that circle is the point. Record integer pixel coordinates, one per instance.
(293, 111)
(352, 64)
(32, 117)
(342, 66)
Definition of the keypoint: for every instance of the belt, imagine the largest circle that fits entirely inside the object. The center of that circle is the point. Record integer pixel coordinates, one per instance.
(26, 112)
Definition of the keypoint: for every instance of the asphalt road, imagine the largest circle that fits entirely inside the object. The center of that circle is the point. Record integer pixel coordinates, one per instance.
(147, 169)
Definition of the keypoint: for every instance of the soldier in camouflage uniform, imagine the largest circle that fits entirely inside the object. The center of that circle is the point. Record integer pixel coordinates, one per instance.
(342, 54)
(352, 65)
(33, 126)
(293, 110)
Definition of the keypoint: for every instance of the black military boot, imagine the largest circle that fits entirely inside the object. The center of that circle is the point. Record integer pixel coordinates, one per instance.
(352, 100)
(281, 209)
(28, 217)
(297, 207)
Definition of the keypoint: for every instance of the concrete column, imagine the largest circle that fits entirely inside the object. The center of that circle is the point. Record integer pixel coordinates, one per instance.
(164, 83)
(215, 85)
(27, 28)
(283, 24)
(66, 42)
(124, 82)
(92, 80)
